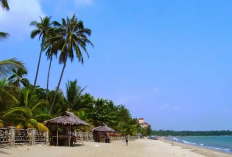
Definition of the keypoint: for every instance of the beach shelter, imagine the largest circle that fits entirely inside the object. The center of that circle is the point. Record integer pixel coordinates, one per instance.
(100, 132)
(67, 119)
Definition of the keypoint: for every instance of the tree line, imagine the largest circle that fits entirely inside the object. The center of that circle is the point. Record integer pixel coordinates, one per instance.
(192, 133)
(27, 105)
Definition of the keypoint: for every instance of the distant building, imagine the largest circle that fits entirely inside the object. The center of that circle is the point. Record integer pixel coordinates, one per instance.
(142, 123)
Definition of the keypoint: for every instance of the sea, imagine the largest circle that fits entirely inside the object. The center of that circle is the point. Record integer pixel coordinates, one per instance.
(220, 143)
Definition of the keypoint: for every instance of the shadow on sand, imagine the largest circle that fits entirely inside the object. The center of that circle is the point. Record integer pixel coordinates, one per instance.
(2, 152)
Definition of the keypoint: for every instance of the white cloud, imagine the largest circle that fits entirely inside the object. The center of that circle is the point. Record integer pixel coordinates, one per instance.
(17, 20)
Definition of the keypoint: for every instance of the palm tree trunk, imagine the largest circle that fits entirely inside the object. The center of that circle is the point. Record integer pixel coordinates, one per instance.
(54, 99)
(48, 77)
(37, 71)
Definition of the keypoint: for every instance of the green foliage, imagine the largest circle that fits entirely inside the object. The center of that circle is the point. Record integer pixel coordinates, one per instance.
(3, 35)
(7, 66)
(17, 78)
(4, 4)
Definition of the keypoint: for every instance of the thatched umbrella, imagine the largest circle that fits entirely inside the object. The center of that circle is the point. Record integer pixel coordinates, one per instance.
(101, 128)
(66, 119)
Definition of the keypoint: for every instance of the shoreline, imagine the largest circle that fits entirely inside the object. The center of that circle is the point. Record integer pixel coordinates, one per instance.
(198, 149)
(137, 148)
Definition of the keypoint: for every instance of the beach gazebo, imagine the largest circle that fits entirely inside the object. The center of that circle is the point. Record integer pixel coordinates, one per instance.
(67, 120)
(101, 133)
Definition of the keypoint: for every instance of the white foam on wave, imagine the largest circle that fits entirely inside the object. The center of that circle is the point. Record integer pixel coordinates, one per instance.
(188, 142)
(215, 148)
(175, 139)
(201, 144)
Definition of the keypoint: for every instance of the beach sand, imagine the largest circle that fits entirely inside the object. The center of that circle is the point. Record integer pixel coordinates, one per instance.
(138, 148)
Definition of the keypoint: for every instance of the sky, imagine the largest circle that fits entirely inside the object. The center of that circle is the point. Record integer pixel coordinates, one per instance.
(167, 61)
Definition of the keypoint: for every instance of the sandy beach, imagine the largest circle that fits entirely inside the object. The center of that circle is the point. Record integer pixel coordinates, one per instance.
(138, 148)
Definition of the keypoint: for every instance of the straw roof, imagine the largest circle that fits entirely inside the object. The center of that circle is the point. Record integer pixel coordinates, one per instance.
(67, 118)
(103, 128)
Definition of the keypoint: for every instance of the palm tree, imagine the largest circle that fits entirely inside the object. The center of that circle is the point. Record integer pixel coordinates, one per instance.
(17, 78)
(72, 36)
(4, 4)
(42, 30)
(7, 95)
(73, 96)
(7, 66)
(51, 51)
(60, 102)
(29, 109)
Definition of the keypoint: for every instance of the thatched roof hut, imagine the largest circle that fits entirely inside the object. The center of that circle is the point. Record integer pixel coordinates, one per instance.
(100, 133)
(103, 128)
(66, 118)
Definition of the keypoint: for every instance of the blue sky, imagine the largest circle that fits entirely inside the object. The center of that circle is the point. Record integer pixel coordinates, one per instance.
(167, 61)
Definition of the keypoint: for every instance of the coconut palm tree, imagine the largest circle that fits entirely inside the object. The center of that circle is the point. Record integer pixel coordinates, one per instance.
(60, 102)
(7, 95)
(18, 78)
(73, 96)
(29, 109)
(42, 30)
(72, 37)
(4, 4)
(7, 66)
(51, 51)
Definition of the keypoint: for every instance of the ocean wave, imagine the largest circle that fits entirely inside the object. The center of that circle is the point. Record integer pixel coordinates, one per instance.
(175, 139)
(187, 142)
(215, 148)
(201, 144)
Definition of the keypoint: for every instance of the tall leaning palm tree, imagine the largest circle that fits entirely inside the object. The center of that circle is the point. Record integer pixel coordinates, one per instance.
(72, 38)
(42, 30)
(51, 51)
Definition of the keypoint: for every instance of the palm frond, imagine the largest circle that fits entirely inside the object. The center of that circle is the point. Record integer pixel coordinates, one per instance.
(7, 66)
(3, 35)
(40, 102)
(4, 4)
(34, 33)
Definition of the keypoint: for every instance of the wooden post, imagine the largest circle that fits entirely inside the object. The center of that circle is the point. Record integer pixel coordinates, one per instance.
(69, 140)
(57, 135)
